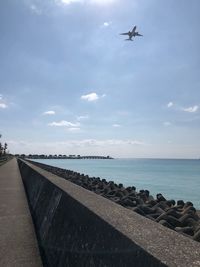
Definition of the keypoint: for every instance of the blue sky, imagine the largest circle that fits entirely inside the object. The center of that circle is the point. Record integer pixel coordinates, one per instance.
(70, 84)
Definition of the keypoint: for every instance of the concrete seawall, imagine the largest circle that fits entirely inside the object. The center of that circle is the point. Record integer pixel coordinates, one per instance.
(76, 227)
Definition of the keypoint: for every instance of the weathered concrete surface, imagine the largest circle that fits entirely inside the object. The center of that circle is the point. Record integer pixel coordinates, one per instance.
(80, 228)
(18, 244)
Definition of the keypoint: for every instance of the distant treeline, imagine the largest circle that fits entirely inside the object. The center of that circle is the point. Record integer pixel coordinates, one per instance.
(4, 153)
(42, 156)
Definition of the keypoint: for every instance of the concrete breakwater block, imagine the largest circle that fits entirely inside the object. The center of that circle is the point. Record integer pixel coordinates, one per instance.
(76, 227)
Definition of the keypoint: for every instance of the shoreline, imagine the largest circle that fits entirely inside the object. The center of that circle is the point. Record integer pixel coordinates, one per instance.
(43, 156)
(61, 157)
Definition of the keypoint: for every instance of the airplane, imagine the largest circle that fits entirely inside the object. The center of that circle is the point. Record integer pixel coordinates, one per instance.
(131, 34)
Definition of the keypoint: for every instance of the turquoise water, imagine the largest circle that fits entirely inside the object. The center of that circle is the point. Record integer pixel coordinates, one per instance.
(174, 178)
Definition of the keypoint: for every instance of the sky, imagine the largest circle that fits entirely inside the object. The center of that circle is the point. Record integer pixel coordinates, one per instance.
(70, 84)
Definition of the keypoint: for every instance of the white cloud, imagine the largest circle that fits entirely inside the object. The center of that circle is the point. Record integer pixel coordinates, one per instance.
(102, 2)
(170, 104)
(49, 112)
(3, 105)
(79, 147)
(82, 143)
(95, 142)
(191, 109)
(90, 97)
(74, 129)
(38, 7)
(84, 117)
(106, 24)
(116, 125)
(167, 123)
(35, 9)
(64, 124)
(68, 2)
(123, 113)
(98, 2)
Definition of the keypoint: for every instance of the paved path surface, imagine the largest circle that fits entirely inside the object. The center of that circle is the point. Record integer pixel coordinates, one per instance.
(18, 244)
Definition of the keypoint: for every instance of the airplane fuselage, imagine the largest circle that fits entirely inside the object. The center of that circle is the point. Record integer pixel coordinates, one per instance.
(131, 34)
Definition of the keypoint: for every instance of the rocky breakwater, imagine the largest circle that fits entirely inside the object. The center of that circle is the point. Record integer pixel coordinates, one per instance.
(179, 216)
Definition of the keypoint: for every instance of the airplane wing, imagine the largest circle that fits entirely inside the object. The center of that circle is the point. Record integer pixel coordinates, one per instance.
(134, 29)
(124, 33)
(139, 34)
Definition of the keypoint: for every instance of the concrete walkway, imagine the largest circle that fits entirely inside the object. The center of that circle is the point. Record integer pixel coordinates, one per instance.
(18, 244)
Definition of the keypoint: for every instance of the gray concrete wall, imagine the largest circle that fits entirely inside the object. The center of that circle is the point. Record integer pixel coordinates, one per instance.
(76, 227)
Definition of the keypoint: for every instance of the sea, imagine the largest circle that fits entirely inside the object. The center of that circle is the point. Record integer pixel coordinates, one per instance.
(174, 178)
